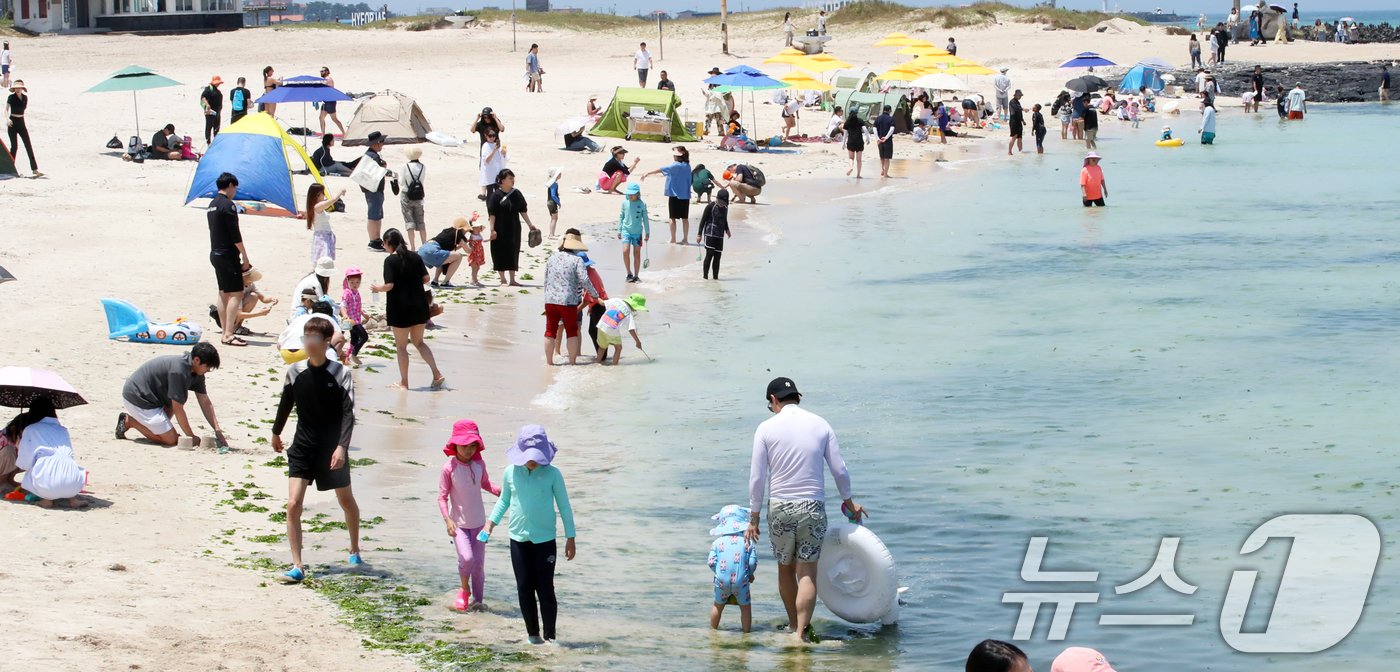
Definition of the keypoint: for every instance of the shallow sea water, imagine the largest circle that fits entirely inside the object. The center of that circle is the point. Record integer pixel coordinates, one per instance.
(1214, 349)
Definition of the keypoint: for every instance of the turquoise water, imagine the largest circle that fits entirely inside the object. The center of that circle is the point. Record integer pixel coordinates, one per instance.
(1213, 349)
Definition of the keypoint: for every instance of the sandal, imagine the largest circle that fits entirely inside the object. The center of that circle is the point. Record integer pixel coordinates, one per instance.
(235, 342)
(439, 382)
(121, 426)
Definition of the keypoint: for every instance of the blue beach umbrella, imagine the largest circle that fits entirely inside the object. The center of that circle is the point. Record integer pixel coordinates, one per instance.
(1087, 59)
(303, 89)
(744, 78)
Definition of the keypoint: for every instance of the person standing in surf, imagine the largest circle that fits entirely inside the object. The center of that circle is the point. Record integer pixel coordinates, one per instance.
(791, 452)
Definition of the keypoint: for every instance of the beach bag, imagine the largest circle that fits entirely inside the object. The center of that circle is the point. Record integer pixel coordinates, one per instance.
(414, 189)
(114, 143)
(535, 238)
(338, 205)
(136, 149)
(369, 175)
(758, 179)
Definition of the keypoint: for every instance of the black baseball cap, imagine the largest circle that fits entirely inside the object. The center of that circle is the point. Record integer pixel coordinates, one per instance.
(782, 388)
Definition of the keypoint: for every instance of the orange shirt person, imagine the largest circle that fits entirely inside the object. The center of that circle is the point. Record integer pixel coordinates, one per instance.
(1092, 186)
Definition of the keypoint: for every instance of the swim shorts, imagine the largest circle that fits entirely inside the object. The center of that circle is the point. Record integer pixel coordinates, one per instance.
(629, 239)
(1207, 138)
(314, 464)
(554, 313)
(228, 273)
(796, 529)
(1090, 202)
(374, 204)
(605, 339)
(732, 594)
(154, 419)
(678, 208)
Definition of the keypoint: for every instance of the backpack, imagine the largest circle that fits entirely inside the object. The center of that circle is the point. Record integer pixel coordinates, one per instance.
(758, 179)
(414, 190)
(136, 149)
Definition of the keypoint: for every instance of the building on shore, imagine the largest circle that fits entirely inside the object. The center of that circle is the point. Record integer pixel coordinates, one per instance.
(81, 16)
(536, 5)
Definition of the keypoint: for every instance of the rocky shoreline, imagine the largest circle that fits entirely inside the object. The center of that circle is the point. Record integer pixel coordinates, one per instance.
(1342, 82)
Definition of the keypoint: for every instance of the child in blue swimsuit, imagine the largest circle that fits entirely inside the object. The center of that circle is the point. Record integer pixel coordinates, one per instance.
(734, 561)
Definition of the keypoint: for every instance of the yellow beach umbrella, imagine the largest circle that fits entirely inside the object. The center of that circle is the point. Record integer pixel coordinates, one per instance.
(919, 43)
(820, 65)
(893, 40)
(972, 69)
(921, 51)
(801, 81)
(898, 75)
(937, 60)
(789, 59)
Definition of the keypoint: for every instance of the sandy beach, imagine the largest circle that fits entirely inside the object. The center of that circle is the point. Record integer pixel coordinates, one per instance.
(156, 574)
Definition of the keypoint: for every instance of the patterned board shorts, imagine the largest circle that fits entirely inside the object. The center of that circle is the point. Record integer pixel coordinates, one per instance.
(796, 529)
(726, 593)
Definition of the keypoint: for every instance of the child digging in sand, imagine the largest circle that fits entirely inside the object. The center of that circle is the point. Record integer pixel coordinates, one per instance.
(619, 316)
(464, 477)
(734, 561)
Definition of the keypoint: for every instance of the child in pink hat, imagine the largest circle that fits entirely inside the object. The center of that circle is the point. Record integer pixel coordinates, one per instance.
(1080, 659)
(464, 477)
(354, 313)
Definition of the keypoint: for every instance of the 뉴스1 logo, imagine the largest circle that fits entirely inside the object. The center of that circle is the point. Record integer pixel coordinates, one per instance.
(1320, 597)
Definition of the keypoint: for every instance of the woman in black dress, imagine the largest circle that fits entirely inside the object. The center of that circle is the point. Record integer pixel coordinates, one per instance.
(855, 141)
(406, 304)
(506, 206)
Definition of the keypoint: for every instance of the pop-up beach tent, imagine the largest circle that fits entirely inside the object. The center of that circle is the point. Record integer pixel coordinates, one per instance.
(613, 123)
(254, 150)
(1140, 76)
(867, 106)
(392, 113)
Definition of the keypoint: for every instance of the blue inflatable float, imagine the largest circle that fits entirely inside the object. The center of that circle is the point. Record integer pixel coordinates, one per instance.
(127, 321)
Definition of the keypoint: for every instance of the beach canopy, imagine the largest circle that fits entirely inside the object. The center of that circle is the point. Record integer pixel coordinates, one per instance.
(7, 162)
(867, 106)
(613, 123)
(1141, 76)
(1086, 59)
(133, 78)
(394, 114)
(856, 79)
(254, 149)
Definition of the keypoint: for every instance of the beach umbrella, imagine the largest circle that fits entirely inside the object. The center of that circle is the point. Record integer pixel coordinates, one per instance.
(1086, 84)
(1155, 63)
(20, 386)
(133, 78)
(1278, 8)
(570, 125)
(1087, 59)
(800, 80)
(921, 51)
(898, 75)
(788, 56)
(939, 81)
(894, 40)
(744, 78)
(5, 276)
(970, 69)
(303, 89)
(936, 60)
(820, 65)
(919, 43)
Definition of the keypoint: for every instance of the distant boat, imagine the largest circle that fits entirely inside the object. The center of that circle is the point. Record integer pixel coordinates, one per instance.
(1159, 16)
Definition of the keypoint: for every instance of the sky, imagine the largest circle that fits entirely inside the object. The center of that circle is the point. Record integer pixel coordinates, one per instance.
(636, 6)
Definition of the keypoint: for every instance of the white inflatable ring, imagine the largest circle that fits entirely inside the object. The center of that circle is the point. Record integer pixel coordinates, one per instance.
(855, 575)
(443, 139)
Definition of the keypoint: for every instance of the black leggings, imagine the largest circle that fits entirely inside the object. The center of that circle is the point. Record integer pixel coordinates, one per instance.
(712, 258)
(594, 315)
(358, 338)
(19, 131)
(211, 127)
(534, 576)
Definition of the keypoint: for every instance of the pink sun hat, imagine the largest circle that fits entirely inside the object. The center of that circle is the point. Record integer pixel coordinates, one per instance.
(1080, 659)
(464, 433)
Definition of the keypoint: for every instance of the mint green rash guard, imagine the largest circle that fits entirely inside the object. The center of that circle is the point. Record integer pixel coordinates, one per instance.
(531, 497)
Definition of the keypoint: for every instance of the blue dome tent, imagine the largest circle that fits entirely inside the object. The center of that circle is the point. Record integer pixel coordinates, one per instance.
(255, 151)
(1142, 75)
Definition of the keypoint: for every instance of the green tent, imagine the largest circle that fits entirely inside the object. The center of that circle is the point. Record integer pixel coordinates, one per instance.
(868, 105)
(613, 123)
(7, 162)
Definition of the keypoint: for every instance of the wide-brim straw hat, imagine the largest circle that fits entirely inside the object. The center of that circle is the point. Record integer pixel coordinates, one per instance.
(252, 275)
(414, 153)
(574, 243)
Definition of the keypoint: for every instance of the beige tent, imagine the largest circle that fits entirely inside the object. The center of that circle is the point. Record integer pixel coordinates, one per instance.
(392, 113)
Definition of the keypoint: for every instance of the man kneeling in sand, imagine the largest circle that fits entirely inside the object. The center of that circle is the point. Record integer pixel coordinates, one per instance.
(324, 396)
(157, 392)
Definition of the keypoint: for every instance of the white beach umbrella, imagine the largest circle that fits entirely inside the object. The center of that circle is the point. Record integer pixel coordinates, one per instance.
(939, 81)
